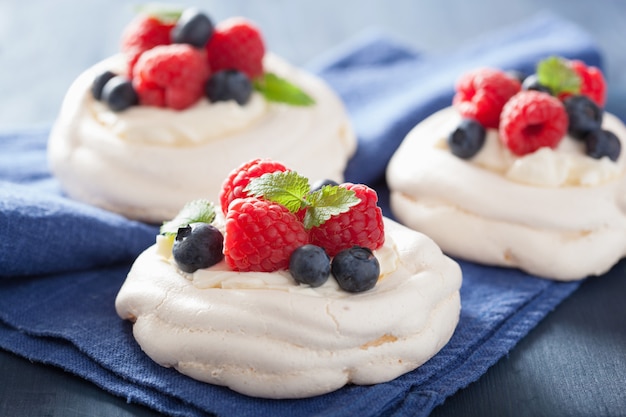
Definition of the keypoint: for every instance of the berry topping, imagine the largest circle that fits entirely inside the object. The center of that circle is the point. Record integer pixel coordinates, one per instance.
(467, 139)
(264, 230)
(99, 82)
(237, 44)
(592, 84)
(361, 225)
(261, 235)
(171, 76)
(481, 94)
(229, 85)
(356, 269)
(193, 27)
(235, 185)
(197, 246)
(309, 264)
(565, 78)
(118, 93)
(601, 143)
(531, 120)
(142, 34)
(584, 116)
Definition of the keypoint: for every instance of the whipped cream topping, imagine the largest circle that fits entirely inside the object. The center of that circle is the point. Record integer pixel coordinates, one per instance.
(554, 213)
(264, 335)
(147, 162)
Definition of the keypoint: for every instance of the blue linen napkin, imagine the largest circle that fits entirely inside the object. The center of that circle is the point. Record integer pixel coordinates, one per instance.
(62, 262)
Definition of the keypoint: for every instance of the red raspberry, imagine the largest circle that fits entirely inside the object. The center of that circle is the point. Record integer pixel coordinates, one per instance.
(593, 84)
(260, 235)
(236, 44)
(171, 76)
(481, 94)
(531, 120)
(239, 178)
(362, 225)
(141, 34)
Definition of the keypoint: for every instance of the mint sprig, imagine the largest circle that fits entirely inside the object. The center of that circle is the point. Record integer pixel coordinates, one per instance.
(163, 12)
(197, 211)
(277, 89)
(556, 74)
(293, 191)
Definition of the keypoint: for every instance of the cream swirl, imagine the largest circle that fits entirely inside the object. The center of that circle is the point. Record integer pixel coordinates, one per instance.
(147, 162)
(565, 229)
(263, 335)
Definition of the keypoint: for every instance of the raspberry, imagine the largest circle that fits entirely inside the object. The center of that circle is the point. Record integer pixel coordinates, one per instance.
(531, 120)
(239, 178)
(142, 34)
(171, 76)
(362, 225)
(236, 44)
(261, 235)
(593, 84)
(481, 94)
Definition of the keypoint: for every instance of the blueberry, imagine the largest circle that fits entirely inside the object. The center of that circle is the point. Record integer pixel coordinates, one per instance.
(317, 185)
(99, 82)
(193, 27)
(118, 93)
(309, 264)
(467, 139)
(532, 83)
(229, 85)
(198, 246)
(356, 269)
(584, 116)
(602, 143)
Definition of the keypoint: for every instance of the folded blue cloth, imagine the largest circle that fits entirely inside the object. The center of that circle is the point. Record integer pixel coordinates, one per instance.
(62, 262)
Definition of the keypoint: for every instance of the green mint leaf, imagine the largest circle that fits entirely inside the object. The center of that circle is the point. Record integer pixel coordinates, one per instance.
(554, 73)
(163, 12)
(275, 88)
(329, 201)
(286, 188)
(197, 211)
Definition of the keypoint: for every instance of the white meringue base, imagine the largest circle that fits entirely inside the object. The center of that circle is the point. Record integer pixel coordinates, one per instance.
(283, 340)
(147, 162)
(558, 232)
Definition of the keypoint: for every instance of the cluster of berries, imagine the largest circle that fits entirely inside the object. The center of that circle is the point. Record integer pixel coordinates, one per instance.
(275, 221)
(563, 96)
(173, 61)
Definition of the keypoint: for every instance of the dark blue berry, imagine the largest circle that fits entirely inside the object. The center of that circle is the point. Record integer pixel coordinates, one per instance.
(602, 143)
(193, 27)
(532, 83)
(99, 82)
(229, 85)
(584, 116)
(309, 264)
(317, 185)
(118, 93)
(356, 269)
(198, 246)
(467, 139)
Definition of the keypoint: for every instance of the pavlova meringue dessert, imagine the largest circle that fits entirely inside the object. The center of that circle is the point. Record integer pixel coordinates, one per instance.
(183, 103)
(290, 292)
(519, 174)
